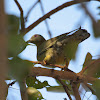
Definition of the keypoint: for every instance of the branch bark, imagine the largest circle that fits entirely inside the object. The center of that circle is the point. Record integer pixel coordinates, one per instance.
(75, 90)
(67, 75)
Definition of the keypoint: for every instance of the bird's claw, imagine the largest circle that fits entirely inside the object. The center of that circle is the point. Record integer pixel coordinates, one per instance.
(44, 63)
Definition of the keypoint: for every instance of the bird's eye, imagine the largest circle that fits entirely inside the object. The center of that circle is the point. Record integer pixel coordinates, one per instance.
(35, 35)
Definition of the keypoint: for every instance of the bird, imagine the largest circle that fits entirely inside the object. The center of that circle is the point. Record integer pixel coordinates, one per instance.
(61, 49)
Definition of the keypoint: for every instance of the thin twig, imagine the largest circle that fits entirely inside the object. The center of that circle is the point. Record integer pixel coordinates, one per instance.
(67, 4)
(75, 90)
(87, 12)
(19, 6)
(12, 83)
(89, 97)
(65, 88)
(52, 65)
(88, 86)
(31, 10)
(84, 95)
(95, 23)
(21, 16)
(47, 25)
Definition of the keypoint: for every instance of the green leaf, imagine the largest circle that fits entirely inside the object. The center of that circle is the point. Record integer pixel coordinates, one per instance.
(57, 89)
(16, 44)
(98, 7)
(34, 94)
(13, 24)
(33, 82)
(99, 10)
(93, 68)
(18, 68)
(88, 59)
(96, 87)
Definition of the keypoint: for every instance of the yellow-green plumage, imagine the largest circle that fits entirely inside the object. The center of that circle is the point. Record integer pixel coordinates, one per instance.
(60, 49)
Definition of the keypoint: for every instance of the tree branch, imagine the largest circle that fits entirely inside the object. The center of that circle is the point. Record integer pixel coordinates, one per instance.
(31, 9)
(21, 16)
(67, 75)
(52, 65)
(75, 90)
(88, 86)
(67, 4)
(65, 88)
(87, 12)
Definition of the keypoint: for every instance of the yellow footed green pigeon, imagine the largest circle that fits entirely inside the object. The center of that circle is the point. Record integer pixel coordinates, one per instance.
(61, 49)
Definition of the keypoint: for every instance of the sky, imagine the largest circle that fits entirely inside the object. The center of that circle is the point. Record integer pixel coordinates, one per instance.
(63, 21)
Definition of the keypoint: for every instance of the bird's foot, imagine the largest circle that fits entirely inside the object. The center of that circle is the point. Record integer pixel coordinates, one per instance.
(44, 63)
(67, 69)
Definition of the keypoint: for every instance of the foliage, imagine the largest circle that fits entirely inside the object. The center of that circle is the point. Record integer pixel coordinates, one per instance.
(33, 82)
(16, 43)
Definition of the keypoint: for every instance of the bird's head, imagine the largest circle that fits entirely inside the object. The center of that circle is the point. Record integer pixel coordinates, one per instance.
(36, 39)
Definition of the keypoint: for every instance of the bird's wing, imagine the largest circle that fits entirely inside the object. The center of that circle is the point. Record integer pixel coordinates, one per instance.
(51, 42)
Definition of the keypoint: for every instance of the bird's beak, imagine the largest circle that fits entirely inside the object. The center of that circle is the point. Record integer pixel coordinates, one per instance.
(29, 41)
